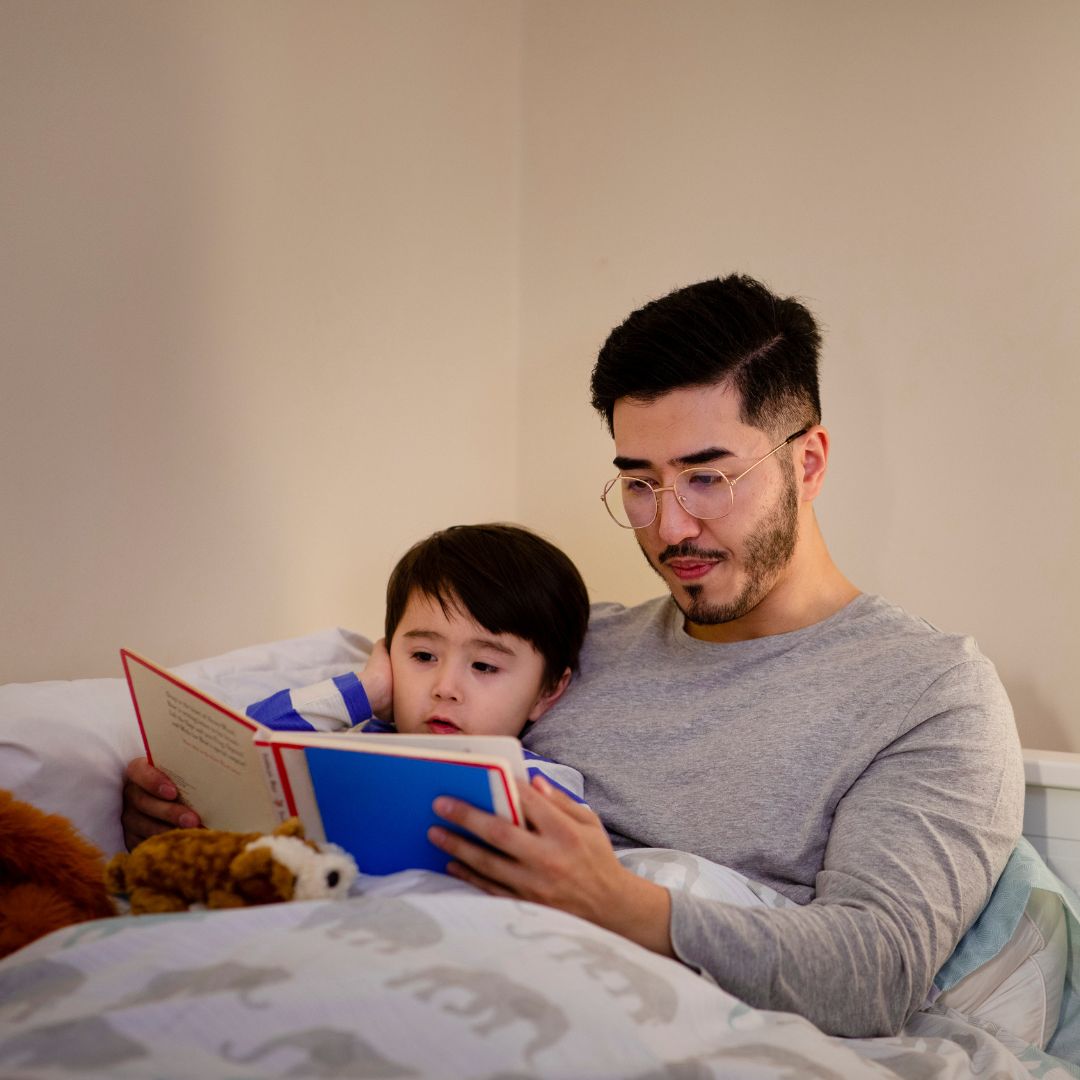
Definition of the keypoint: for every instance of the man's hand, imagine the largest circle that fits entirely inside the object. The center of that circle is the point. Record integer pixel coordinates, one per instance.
(564, 860)
(150, 805)
(377, 680)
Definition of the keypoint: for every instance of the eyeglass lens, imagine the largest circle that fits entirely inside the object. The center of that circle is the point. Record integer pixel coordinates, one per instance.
(705, 493)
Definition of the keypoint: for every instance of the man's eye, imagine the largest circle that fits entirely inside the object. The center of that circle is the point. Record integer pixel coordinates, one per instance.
(484, 668)
(703, 480)
(634, 486)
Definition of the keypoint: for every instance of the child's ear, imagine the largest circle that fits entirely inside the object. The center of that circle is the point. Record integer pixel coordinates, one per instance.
(548, 698)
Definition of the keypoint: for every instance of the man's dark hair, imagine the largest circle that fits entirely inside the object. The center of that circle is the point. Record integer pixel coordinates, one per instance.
(729, 330)
(504, 577)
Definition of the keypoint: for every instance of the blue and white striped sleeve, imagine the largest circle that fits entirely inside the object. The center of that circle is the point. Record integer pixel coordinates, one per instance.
(564, 777)
(335, 704)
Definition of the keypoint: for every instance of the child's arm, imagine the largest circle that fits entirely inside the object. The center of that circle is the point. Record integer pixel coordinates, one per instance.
(332, 705)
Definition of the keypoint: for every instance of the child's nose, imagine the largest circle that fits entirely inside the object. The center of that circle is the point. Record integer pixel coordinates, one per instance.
(446, 687)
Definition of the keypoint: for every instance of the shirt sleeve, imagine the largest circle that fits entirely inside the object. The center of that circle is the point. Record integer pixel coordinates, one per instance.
(332, 705)
(564, 777)
(914, 850)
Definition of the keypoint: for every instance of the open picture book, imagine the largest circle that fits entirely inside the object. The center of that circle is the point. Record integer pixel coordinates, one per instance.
(369, 793)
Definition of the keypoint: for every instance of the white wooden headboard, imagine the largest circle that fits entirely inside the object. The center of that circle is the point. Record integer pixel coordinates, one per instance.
(1052, 810)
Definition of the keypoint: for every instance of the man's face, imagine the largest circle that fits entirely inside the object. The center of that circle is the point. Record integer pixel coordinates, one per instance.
(453, 677)
(718, 570)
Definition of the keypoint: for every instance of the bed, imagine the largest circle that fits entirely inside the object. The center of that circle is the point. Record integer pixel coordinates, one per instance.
(417, 975)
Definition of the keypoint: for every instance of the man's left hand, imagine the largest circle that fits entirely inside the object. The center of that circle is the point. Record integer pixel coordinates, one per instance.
(564, 859)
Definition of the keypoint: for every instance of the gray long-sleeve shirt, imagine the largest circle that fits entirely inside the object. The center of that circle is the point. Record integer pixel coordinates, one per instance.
(868, 767)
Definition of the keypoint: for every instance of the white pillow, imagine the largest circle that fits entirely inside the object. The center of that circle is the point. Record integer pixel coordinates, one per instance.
(63, 748)
(64, 745)
(1021, 988)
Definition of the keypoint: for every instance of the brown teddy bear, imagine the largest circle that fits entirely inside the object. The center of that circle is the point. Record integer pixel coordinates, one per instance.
(217, 869)
(50, 877)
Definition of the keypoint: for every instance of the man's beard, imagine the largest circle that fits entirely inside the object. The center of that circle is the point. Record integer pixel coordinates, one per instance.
(768, 549)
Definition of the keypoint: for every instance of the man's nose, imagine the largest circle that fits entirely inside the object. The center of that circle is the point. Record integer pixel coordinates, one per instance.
(675, 523)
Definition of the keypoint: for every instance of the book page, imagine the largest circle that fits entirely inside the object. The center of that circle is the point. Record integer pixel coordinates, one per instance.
(204, 747)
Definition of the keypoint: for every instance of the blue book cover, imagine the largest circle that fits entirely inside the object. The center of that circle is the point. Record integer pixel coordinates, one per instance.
(377, 806)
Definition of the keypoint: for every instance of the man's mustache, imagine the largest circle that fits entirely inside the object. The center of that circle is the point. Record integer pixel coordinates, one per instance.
(687, 551)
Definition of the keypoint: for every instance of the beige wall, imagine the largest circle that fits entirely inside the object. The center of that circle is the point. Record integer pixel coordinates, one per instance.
(912, 170)
(259, 288)
(267, 263)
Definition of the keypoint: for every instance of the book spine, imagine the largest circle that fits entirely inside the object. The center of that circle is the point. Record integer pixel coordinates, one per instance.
(273, 780)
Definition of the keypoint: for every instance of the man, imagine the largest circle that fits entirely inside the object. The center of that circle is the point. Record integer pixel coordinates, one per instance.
(765, 715)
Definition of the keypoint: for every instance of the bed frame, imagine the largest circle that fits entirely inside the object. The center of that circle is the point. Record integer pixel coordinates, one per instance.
(1052, 810)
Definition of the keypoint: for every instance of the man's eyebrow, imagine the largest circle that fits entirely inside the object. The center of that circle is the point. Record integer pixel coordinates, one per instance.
(703, 457)
(698, 457)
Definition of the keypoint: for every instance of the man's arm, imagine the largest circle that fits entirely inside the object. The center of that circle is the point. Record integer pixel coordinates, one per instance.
(914, 851)
(563, 859)
(915, 848)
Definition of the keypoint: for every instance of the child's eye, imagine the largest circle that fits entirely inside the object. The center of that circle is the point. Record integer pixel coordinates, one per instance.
(423, 656)
(484, 668)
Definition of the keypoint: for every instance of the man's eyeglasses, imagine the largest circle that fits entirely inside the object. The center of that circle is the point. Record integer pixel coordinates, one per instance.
(704, 493)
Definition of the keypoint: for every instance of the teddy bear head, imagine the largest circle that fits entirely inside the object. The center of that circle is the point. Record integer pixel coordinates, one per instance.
(280, 867)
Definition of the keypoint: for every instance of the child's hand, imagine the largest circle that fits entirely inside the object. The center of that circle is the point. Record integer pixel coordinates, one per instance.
(377, 678)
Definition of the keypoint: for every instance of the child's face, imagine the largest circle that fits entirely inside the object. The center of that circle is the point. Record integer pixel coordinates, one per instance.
(453, 677)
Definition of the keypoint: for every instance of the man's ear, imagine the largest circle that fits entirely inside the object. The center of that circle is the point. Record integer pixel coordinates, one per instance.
(548, 698)
(811, 459)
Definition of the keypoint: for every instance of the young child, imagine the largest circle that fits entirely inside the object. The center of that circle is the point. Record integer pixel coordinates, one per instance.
(484, 624)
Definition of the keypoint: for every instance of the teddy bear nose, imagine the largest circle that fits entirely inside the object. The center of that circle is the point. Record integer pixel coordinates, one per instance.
(332, 878)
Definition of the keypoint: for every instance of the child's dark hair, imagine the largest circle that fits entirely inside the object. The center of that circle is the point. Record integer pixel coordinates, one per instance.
(506, 578)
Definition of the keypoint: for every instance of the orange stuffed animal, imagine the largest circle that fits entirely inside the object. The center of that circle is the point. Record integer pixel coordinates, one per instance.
(216, 869)
(50, 876)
